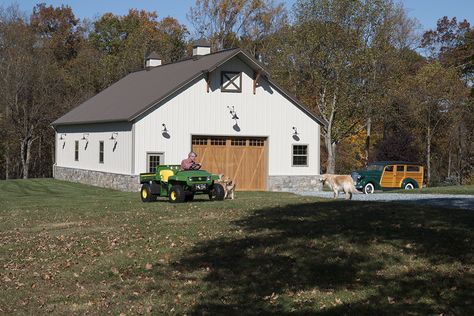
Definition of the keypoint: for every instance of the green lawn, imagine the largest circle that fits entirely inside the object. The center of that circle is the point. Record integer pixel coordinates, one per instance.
(455, 189)
(72, 249)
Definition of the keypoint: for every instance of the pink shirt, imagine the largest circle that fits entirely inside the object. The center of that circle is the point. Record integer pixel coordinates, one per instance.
(187, 163)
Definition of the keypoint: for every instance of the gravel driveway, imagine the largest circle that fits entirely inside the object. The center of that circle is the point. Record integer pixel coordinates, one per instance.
(442, 200)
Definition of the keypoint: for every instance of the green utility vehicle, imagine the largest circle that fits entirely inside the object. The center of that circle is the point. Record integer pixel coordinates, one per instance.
(179, 185)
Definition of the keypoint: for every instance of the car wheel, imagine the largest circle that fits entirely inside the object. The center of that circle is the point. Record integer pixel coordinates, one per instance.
(409, 186)
(145, 193)
(217, 193)
(369, 188)
(177, 194)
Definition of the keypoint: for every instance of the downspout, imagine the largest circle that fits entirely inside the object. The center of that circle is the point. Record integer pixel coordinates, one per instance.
(133, 149)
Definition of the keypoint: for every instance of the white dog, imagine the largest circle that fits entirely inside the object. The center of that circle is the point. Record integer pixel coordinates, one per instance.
(340, 183)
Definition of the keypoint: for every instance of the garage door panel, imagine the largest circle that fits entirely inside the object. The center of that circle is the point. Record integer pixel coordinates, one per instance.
(242, 159)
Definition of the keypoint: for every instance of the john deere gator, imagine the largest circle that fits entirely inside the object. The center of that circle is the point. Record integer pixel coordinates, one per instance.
(179, 185)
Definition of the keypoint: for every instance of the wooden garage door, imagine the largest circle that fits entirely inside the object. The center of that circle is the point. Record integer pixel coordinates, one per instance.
(242, 159)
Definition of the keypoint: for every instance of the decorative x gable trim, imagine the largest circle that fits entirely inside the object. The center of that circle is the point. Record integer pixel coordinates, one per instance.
(231, 81)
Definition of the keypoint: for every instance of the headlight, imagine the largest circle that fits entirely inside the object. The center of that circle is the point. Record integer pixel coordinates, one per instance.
(190, 179)
(208, 179)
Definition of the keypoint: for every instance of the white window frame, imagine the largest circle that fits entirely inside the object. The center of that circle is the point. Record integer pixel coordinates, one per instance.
(76, 150)
(293, 155)
(152, 153)
(101, 142)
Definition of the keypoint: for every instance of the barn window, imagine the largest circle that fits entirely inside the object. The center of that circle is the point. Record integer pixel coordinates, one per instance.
(199, 141)
(231, 81)
(153, 160)
(76, 150)
(101, 151)
(300, 155)
(256, 142)
(218, 141)
(238, 142)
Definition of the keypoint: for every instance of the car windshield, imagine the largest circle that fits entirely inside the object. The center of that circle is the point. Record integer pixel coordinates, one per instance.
(374, 167)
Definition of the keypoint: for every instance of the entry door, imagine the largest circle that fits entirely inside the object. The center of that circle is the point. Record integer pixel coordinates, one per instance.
(243, 159)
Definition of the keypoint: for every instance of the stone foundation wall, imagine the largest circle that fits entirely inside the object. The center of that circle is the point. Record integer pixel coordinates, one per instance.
(129, 183)
(295, 184)
(114, 181)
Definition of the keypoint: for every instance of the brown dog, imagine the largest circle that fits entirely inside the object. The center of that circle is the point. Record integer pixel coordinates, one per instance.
(228, 185)
(339, 183)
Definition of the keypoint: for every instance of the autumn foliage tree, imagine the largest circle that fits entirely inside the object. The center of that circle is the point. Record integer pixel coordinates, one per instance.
(225, 23)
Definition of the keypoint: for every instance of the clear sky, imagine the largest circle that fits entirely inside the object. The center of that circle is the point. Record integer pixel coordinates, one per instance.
(426, 11)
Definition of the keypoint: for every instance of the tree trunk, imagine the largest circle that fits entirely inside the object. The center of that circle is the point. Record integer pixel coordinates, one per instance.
(25, 153)
(367, 141)
(428, 156)
(7, 162)
(449, 163)
(331, 148)
(460, 157)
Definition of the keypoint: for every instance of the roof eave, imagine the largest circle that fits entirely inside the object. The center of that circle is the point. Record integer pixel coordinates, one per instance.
(55, 123)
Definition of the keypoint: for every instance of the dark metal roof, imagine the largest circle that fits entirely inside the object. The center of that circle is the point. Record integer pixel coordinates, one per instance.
(137, 92)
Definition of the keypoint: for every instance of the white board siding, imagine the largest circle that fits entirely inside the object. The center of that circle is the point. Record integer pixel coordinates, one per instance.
(193, 111)
(118, 160)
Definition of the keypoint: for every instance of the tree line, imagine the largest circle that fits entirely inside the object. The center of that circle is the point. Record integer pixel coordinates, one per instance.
(385, 90)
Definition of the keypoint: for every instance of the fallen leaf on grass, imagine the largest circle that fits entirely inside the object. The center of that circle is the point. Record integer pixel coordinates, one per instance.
(148, 266)
(390, 300)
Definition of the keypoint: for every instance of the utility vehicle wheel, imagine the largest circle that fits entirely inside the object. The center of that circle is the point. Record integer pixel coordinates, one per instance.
(177, 194)
(217, 193)
(145, 193)
(409, 186)
(189, 197)
(369, 188)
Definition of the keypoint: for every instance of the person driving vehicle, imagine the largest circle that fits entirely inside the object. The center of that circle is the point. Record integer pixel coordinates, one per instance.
(189, 163)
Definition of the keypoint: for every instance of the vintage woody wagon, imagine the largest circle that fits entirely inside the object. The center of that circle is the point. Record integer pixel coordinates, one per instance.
(389, 175)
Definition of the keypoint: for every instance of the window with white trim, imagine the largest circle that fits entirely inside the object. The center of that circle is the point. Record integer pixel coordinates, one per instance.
(76, 150)
(101, 151)
(153, 160)
(300, 156)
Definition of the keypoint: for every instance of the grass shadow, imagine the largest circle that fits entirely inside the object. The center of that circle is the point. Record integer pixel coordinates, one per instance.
(340, 257)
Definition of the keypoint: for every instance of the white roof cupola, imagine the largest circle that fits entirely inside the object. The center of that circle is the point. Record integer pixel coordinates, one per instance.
(201, 47)
(152, 60)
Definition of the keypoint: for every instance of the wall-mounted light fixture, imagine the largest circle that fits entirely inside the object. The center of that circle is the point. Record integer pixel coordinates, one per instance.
(165, 132)
(62, 136)
(234, 116)
(114, 136)
(85, 137)
(295, 134)
(233, 113)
